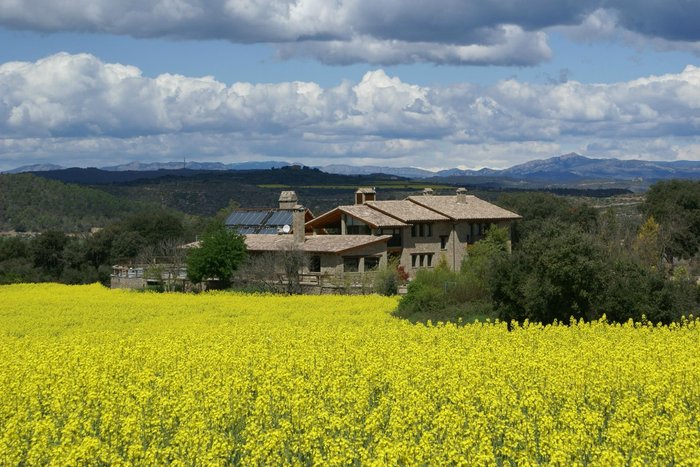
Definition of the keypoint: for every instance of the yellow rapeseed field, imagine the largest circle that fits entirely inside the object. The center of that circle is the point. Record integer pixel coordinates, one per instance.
(94, 376)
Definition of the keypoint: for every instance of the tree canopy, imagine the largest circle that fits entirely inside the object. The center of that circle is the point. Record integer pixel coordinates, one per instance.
(221, 251)
(675, 204)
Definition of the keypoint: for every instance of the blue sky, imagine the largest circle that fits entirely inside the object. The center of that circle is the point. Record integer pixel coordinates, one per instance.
(429, 84)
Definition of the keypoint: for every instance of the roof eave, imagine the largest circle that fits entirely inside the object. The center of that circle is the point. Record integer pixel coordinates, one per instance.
(379, 239)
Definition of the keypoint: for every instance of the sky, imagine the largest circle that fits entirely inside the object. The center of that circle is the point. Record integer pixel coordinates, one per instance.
(431, 84)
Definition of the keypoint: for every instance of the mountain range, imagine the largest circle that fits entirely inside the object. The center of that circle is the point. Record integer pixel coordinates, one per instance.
(564, 169)
(152, 166)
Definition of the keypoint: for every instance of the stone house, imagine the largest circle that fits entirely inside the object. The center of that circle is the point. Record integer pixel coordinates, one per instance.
(422, 229)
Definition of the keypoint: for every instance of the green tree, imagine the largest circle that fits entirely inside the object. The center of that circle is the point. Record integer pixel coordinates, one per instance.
(675, 204)
(537, 207)
(633, 291)
(47, 252)
(221, 251)
(556, 274)
(647, 245)
(12, 248)
(156, 226)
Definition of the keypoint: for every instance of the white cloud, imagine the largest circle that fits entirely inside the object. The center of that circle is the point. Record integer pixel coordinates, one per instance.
(78, 105)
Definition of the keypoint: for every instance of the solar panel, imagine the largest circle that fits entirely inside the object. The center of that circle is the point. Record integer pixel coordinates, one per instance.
(280, 218)
(263, 222)
(246, 217)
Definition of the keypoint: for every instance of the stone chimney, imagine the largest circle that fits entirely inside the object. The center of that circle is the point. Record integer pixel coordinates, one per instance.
(288, 200)
(462, 195)
(364, 194)
(428, 192)
(298, 224)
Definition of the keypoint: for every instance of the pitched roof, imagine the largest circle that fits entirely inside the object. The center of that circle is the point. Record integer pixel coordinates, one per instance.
(372, 216)
(406, 211)
(366, 214)
(312, 243)
(473, 209)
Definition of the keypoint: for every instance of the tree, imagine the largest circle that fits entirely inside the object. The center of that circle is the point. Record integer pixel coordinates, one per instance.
(155, 226)
(538, 207)
(675, 204)
(647, 245)
(557, 273)
(12, 248)
(221, 251)
(47, 252)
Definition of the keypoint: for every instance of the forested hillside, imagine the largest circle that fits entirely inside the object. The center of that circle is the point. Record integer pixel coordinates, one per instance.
(204, 193)
(33, 204)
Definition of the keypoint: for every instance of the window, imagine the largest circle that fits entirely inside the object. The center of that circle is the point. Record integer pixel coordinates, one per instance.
(395, 239)
(443, 241)
(315, 264)
(356, 227)
(422, 230)
(358, 230)
(422, 260)
(371, 263)
(351, 264)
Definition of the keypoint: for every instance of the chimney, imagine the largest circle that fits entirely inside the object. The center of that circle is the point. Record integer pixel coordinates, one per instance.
(288, 200)
(462, 195)
(364, 194)
(428, 192)
(298, 224)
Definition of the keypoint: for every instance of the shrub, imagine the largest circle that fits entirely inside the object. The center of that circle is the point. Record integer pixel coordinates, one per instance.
(388, 279)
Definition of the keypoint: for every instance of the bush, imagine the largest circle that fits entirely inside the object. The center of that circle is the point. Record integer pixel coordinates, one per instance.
(443, 295)
(388, 279)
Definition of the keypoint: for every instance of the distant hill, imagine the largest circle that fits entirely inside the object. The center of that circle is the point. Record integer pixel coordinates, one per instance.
(572, 168)
(29, 203)
(93, 176)
(150, 166)
(35, 168)
(568, 168)
(408, 172)
(206, 192)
